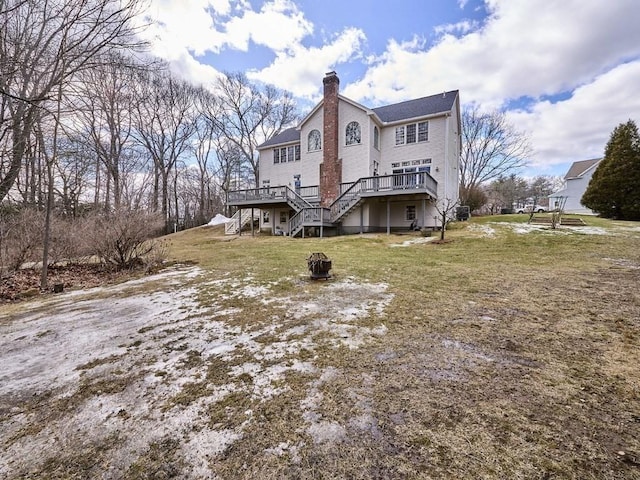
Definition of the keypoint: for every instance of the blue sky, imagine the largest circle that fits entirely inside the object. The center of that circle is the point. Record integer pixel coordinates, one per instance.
(566, 72)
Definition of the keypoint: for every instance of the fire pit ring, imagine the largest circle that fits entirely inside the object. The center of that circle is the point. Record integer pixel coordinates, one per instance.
(319, 265)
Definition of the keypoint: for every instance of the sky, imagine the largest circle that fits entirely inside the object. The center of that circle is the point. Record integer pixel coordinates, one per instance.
(565, 72)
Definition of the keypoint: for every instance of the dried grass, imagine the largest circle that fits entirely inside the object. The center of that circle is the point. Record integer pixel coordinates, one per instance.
(504, 355)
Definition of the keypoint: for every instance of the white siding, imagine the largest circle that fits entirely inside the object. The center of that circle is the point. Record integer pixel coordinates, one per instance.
(355, 158)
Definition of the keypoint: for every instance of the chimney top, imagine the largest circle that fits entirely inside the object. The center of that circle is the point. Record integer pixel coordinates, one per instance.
(331, 77)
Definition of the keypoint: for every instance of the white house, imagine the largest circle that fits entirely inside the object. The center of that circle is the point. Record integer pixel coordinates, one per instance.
(576, 181)
(347, 168)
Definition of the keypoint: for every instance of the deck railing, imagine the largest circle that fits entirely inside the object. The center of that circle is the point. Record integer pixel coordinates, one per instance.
(350, 195)
(281, 193)
(314, 216)
(400, 182)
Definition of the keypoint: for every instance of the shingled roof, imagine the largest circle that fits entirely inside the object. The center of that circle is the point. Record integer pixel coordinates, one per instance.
(420, 107)
(578, 169)
(286, 136)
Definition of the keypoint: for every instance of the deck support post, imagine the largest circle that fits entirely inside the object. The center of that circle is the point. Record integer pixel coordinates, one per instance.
(388, 216)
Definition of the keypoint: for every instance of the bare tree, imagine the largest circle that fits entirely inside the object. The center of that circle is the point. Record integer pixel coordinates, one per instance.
(43, 43)
(165, 122)
(446, 209)
(104, 102)
(73, 166)
(207, 141)
(491, 148)
(250, 115)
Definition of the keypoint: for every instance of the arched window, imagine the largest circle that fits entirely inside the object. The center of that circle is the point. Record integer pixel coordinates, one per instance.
(314, 141)
(376, 138)
(352, 134)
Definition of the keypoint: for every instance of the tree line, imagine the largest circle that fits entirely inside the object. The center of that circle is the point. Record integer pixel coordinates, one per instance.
(87, 117)
(92, 124)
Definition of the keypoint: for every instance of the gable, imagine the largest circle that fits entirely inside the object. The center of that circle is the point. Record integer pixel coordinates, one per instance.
(578, 169)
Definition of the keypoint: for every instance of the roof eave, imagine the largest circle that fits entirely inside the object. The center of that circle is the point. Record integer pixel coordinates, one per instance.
(444, 113)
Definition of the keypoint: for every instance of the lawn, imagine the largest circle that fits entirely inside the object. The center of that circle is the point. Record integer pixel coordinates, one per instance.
(508, 351)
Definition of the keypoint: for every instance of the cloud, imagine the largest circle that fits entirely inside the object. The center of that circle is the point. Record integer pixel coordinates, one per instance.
(524, 48)
(300, 69)
(579, 128)
(188, 25)
(201, 26)
(279, 25)
(537, 51)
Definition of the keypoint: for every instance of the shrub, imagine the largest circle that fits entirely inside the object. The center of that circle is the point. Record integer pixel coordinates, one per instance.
(123, 239)
(20, 238)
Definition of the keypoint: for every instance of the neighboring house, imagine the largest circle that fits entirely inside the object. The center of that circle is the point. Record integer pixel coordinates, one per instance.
(576, 181)
(347, 168)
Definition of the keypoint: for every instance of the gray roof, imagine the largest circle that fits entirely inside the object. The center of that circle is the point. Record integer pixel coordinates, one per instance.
(286, 136)
(578, 169)
(420, 107)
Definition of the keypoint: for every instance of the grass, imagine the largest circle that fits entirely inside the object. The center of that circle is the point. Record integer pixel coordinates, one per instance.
(507, 357)
(504, 355)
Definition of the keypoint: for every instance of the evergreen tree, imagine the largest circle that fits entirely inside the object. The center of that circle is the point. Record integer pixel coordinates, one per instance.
(614, 189)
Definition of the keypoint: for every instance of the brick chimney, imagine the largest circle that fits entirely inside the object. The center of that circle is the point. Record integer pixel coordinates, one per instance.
(331, 166)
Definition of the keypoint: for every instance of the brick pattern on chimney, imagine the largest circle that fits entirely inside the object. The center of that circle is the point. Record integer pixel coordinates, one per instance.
(331, 166)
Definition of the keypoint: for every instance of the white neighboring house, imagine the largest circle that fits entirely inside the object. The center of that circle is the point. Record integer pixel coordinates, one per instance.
(347, 168)
(576, 181)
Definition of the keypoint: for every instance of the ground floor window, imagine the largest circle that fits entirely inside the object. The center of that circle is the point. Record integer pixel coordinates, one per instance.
(410, 212)
(283, 217)
(265, 217)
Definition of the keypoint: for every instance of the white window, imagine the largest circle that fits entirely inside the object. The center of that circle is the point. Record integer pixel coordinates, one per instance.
(286, 154)
(352, 133)
(314, 141)
(376, 138)
(423, 131)
(412, 133)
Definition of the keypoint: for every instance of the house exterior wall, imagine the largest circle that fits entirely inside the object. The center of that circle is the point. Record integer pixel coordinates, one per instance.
(363, 159)
(355, 158)
(375, 214)
(573, 190)
(433, 148)
(281, 173)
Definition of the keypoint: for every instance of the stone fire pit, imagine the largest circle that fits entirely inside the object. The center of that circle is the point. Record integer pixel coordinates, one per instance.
(319, 266)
